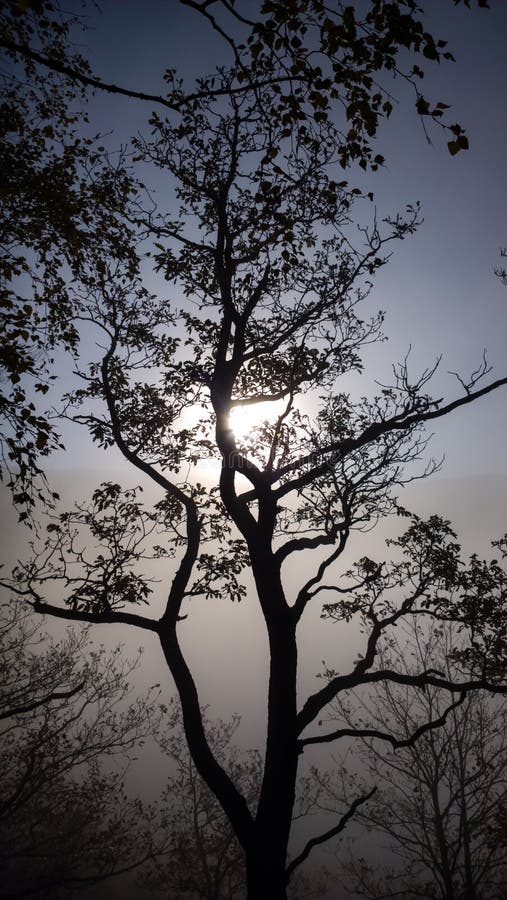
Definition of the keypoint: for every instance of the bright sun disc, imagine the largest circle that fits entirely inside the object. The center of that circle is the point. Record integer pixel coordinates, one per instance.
(243, 419)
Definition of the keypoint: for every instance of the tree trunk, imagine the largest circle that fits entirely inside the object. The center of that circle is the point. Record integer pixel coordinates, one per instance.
(469, 886)
(265, 875)
(266, 859)
(443, 854)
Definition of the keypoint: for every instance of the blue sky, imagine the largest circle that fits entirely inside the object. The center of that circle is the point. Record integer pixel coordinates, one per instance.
(439, 290)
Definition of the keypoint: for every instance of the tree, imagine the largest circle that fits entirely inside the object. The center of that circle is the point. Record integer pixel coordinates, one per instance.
(260, 244)
(65, 819)
(438, 800)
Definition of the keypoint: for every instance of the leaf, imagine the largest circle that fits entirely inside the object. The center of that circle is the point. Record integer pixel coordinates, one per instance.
(461, 143)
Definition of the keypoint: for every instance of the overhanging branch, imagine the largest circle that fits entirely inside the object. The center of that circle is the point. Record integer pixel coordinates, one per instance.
(105, 618)
(74, 74)
(327, 694)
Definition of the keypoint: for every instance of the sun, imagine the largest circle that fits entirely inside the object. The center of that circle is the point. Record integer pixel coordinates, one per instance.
(244, 419)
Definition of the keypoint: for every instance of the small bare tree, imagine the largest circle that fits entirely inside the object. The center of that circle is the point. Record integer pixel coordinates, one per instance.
(203, 857)
(65, 819)
(439, 799)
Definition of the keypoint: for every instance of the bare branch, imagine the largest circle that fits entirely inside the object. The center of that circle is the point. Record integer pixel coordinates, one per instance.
(327, 835)
(51, 697)
(375, 431)
(396, 743)
(320, 699)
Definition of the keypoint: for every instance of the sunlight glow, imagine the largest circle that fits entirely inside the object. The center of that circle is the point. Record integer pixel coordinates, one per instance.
(244, 419)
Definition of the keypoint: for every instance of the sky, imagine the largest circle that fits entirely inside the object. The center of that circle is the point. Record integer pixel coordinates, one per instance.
(439, 291)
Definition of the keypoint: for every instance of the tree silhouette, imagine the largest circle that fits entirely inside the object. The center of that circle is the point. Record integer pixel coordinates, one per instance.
(65, 820)
(438, 800)
(269, 275)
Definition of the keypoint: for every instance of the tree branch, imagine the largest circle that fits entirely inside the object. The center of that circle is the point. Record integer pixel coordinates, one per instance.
(396, 743)
(43, 701)
(106, 618)
(400, 422)
(75, 75)
(327, 835)
(217, 779)
(320, 699)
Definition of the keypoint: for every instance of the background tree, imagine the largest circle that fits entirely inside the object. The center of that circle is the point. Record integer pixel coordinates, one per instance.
(271, 275)
(438, 799)
(65, 819)
(203, 856)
